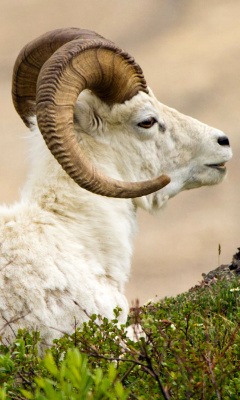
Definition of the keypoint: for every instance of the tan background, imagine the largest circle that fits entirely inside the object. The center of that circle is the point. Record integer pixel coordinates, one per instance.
(190, 54)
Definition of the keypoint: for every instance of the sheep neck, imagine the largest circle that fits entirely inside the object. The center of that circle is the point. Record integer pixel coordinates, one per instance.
(98, 230)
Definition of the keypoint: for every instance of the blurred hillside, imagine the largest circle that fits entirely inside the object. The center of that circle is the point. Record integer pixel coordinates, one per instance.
(190, 54)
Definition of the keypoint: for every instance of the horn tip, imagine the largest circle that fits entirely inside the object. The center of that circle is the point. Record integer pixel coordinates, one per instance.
(163, 180)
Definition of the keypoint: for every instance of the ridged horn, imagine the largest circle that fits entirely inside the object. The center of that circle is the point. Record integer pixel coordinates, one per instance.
(49, 75)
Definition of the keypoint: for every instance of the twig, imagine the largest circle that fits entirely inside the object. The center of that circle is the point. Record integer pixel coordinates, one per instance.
(75, 332)
(210, 365)
(8, 323)
(212, 375)
(25, 380)
(127, 373)
(82, 309)
(228, 345)
(152, 371)
(164, 393)
(6, 265)
(16, 396)
(130, 360)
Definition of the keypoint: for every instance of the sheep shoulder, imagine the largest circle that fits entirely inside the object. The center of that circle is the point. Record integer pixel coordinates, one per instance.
(49, 273)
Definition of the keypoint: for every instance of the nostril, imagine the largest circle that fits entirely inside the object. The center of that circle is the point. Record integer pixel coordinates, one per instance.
(223, 141)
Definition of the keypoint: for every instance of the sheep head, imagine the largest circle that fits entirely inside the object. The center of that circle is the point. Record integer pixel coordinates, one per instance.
(143, 138)
(50, 73)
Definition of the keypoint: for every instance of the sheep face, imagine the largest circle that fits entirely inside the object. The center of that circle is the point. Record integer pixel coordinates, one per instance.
(146, 138)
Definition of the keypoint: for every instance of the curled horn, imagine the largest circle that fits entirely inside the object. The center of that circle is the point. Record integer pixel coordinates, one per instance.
(50, 73)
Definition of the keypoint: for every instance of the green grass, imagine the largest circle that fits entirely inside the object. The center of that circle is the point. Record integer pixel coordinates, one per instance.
(190, 350)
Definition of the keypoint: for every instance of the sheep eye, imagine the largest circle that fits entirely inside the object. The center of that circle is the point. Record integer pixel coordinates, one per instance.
(147, 123)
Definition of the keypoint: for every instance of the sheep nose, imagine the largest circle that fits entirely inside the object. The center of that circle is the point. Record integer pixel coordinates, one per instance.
(223, 141)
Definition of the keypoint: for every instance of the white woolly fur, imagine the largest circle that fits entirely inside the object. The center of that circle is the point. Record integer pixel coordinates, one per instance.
(65, 252)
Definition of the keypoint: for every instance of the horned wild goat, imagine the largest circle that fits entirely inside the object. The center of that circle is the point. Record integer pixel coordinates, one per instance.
(101, 147)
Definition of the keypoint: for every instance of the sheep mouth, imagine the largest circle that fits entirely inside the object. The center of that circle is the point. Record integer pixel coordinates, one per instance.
(220, 166)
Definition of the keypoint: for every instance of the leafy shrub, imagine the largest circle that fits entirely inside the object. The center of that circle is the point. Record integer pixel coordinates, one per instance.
(189, 348)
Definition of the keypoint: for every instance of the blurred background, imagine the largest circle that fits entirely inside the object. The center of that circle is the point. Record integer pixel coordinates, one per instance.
(189, 51)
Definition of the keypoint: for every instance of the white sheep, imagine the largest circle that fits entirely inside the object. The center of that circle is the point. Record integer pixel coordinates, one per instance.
(65, 251)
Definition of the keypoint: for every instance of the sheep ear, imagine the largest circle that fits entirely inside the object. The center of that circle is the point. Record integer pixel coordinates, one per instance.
(86, 119)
